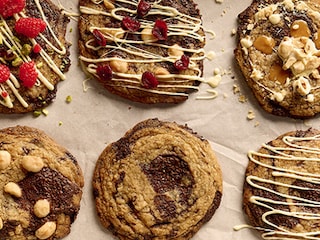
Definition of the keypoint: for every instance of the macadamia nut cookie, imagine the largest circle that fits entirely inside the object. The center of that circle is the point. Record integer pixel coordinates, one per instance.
(40, 186)
(146, 51)
(278, 53)
(159, 181)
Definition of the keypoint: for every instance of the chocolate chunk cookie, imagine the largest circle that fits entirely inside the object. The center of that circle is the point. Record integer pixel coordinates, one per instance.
(146, 51)
(278, 54)
(40, 186)
(281, 192)
(34, 54)
(159, 181)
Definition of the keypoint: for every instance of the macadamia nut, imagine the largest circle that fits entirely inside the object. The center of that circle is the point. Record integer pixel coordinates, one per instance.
(32, 163)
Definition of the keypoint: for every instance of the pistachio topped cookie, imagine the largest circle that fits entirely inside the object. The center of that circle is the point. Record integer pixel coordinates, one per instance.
(40, 186)
(145, 51)
(33, 54)
(281, 191)
(278, 53)
(159, 181)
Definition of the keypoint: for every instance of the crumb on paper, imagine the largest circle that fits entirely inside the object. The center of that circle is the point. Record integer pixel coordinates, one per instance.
(211, 55)
(251, 115)
(45, 112)
(69, 99)
(236, 89)
(256, 124)
(60, 123)
(242, 98)
(233, 32)
(219, 1)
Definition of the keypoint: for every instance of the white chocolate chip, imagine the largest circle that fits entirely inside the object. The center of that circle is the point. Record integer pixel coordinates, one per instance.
(147, 36)
(1, 223)
(310, 98)
(5, 159)
(13, 189)
(46, 230)
(275, 18)
(42, 208)
(119, 66)
(256, 75)
(32, 163)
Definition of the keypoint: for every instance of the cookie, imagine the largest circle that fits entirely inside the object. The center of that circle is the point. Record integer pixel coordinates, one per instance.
(144, 51)
(278, 54)
(40, 186)
(159, 181)
(34, 54)
(281, 191)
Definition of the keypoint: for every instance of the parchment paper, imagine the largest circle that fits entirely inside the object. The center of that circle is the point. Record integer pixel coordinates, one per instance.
(96, 118)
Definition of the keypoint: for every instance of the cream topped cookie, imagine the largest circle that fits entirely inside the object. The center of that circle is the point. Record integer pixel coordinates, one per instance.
(34, 54)
(281, 190)
(278, 54)
(145, 51)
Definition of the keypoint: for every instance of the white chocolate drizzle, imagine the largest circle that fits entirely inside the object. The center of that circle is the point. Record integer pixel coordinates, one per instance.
(187, 26)
(9, 40)
(284, 178)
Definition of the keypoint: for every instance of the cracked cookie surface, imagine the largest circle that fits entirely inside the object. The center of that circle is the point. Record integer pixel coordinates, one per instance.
(159, 181)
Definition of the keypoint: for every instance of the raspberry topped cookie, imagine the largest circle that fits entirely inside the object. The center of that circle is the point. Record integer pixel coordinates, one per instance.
(145, 51)
(33, 54)
(40, 186)
(279, 55)
(160, 181)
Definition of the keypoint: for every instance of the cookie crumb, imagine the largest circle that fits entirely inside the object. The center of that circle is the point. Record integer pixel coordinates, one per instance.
(250, 115)
(219, 1)
(233, 32)
(242, 98)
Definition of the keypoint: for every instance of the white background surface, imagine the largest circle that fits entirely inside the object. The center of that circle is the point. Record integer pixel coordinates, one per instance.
(96, 118)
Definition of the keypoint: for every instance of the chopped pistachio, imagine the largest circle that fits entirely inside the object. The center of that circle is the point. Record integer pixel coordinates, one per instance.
(68, 99)
(26, 49)
(17, 62)
(71, 30)
(1, 40)
(60, 123)
(36, 113)
(40, 64)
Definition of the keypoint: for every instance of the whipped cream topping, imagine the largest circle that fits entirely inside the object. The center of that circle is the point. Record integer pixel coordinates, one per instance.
(185, 26)
(12, 43)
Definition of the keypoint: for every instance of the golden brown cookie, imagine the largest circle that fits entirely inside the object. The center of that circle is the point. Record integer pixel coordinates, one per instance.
(40, 186)
(281, 191)
(145, 51)
(278, 54)
(159, 181)
(34, 54)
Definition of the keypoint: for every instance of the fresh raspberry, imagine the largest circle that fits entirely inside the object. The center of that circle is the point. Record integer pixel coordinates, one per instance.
(182, 63)
(28, 74)
(37, 48)
(100, 39)
(160, 30)
(104, 72)
(143, 8)
(10, 7)
(130, 24)
(30, 27)
(4, 73)
(149, 80)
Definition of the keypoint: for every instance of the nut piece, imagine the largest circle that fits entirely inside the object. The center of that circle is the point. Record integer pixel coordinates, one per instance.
(147, 36)
(42, 208)
(162, 73)
(1, 223)
(32, 163)
(5, 159)
(13, 189)
(108, 4)
(46, 230)
(119, 66)
(175, 51)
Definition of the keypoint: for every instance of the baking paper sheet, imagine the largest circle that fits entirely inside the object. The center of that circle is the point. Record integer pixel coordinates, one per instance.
(96, 118)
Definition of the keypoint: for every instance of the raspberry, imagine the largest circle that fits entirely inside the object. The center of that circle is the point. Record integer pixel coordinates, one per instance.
(160, 30)
(130, 24)
(100, 39)
(143, 8)
(182, 63)
(4, 73)
(37, 48)
(28, 74)
(149, 80)
(104, 72)
(30, 27)
(10, 7)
